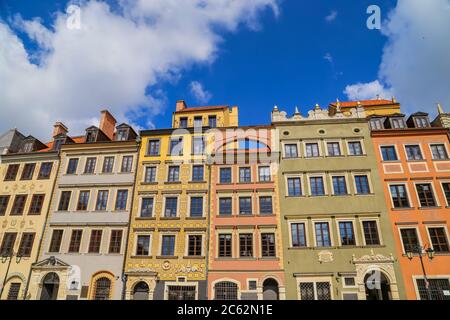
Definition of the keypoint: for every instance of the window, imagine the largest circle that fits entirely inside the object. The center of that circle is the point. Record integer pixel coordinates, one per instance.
(55, 242)
(83, 201)
(197, 173)
(376, 124)
(75, 241)
(397, 123)
(339, 185)
(323, 238)
(252, 285)
(147, 207)
(421, 122)
(225, 243)
(316, 185)
(168, 245)
(370, 229)
(347, 234)
(413, 152)
(72, 167)
(174, 174)
(11, 173)
(176, 147)
(225, 290)
(354, 148)
(37, 201)
(225, 206)
(290, 150)
(122, 135)
(245, 175)
(64, 201)
(294, 187)
(196, 206)
(265, 205)
(334, 149)
(312, 150)
(245, 205)
(388, 153)
(18, 205)
(28, 170)
(153, 148)
(150, 175)
(121, 200)
(90, 136)
(245, 245)
(298, 235)
(438, 239)
(45, 170)
(143, 245)
(225, 175)
(127, 164)
(198, 122)
(198, 145)
(9, 239)
(102, 200)
(102, 289)
(194, 245)
(180, 293)
(14, 291)
(183, 122)
(95, 241)
(445, 186)
(4, 200)
(264, 174)
(349, 282)
(115, 242)
(425, 194)
(439, 152)
(268, 245)
(315, 291)
(399, 196)
(436, 287)
(26, 244)
(108, 164)
(410, 239)
(171, 207)
(362, 184)
(90, 165)
(212, 120)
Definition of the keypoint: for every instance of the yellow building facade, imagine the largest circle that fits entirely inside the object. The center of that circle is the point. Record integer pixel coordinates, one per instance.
(167, 246)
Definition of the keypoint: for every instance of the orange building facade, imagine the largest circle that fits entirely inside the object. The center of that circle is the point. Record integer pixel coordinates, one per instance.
(245, 251)
(414, 166)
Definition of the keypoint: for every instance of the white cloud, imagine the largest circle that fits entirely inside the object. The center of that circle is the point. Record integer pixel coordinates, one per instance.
(112, 61)
(415, 65)
(201, 95)
(331, 16)
(328, 57)
(367, 91)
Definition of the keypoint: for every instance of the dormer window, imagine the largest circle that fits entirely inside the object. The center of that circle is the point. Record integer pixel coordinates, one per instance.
(27, 147)
(421, 122)
(90, 136)
(183, 122)
(397, 123)
(376, 124)
(122, 135)
(58, 143)
(198, 122)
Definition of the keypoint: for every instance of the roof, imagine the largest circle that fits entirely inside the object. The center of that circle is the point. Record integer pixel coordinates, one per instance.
(365, 103)
(77, 139)
(204, 108)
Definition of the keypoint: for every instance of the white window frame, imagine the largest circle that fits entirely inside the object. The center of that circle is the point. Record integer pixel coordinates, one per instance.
(428, 226)
(442, 190)
(141, 197)
(438, 143)
(150, 243)
(408, 194)
(347, 185)
(167, 233)
(196, 195)
(314, 280)
(295, 221)
(325, 183)
(410, 144)
(330, 230)
(400, 228)
(194, 233)
(144, 173)
(238, 244)
(380, 235)
(361, 143)
(296, 142)
(270, 172)
(435, 196)
(319, 145)
(355, 233)
(369, 181)
(399, 158)
(341, 149)
(302, 185)
(163, 213)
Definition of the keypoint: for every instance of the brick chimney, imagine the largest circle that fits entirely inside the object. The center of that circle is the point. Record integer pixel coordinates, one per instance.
(107, 124)
(59, 128)
(181, 104)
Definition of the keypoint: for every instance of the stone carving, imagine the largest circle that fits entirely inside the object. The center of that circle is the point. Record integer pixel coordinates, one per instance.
(317, 114)
(372, 257)
(325, 256)
(189, 269)
(166, 265)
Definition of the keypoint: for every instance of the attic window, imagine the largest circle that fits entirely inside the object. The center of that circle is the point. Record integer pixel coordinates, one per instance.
(57, 144)
(421, 122)
(376, 124)
(397, 123)
(90, 136)
(27, 147)
(122, 135)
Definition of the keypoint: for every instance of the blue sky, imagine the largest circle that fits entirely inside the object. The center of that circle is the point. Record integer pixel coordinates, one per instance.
(298, 57)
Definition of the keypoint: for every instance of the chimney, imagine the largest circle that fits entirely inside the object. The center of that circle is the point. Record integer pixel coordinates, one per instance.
(59, 128)
(107, 124)
(181, 104)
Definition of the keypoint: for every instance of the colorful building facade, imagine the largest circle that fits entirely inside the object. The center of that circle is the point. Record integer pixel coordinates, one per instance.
(335, 227)
(245, 256)
(414, 165)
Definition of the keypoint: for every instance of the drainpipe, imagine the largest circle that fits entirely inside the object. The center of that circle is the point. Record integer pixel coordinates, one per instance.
(124, 277)
(40, 249)
(208, 227)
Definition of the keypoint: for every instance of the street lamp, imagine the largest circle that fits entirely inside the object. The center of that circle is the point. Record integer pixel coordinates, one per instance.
(4, 258)
(420, 252)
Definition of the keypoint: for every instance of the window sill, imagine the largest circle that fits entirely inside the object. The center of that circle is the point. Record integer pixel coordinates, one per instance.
(225, 183)
(266, 215)
(244, 215)
(141, 257)
(196, 218)
(194, 257)
(269, 259)
(149, 183)
(145, 218)
(199, 181)
(166, 257)
(403, 209)
(430, 208)
(225, 216)
(169, 218)
(152, 155)
(172, 182)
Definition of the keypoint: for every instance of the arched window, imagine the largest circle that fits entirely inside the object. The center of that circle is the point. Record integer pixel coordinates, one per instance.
(270, 289)
(140, 291)
(226, 290)
(50, 286)
(102, 289)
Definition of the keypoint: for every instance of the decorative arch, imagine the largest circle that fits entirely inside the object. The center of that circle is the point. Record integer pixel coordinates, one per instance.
(140, 290)
(102, 280)
(237, 285)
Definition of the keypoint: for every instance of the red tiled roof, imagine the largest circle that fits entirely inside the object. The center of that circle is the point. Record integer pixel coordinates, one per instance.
(205, 108)
(365, 103)
(78, 139)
